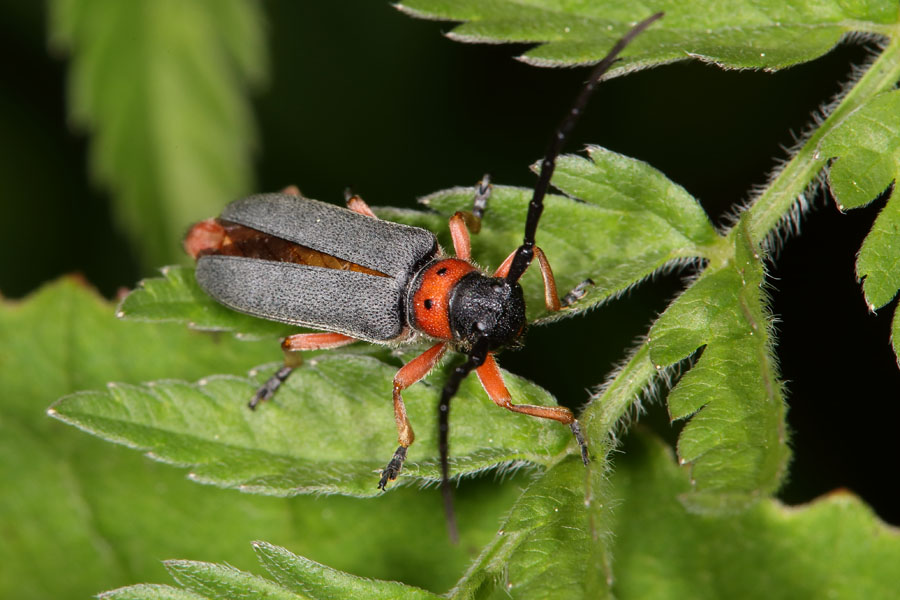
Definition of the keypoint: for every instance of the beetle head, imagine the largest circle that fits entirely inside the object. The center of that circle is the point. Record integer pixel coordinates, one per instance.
(486, 308)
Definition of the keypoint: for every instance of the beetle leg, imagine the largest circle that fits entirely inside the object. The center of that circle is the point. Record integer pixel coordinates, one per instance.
(577, 293)
(503, 269)
(462, 245)
(479, 202)
(357, 204)
(291, 190)
(490, 377)
(551, 295)
(410, 373)
(462, 222)
(291, 346)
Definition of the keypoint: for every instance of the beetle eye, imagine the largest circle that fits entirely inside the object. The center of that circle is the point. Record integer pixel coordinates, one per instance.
(428, 303)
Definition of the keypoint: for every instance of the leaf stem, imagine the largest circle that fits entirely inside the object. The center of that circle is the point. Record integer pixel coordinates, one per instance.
(609, 406)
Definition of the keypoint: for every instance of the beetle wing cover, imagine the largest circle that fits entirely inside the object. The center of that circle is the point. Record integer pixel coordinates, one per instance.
(390, 248)
(362, 306)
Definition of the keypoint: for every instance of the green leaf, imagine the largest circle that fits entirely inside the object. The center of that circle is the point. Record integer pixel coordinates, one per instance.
(834, 547)
(878, 263)
(635, 189)
(150, 592)
(628, 221)
(300, 443)
(763, 34)
(735, 441)
(79, 515)
(866, 149)
(548, 547)
(895, 335)
(225, 582)
(296, 578)
(304, 576)
(544, 549)
(161, 85)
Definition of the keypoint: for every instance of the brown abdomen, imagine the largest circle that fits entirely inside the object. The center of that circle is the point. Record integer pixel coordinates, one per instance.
(220, 237)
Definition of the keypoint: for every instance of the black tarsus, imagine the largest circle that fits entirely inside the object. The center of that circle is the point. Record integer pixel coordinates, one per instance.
(482, 193)
(576, 293)
(576, 430)
(476, 358)
(268, 389)
(525, 253)
(392, 469)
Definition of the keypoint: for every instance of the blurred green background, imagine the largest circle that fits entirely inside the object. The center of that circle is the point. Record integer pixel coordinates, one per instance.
(361, 95)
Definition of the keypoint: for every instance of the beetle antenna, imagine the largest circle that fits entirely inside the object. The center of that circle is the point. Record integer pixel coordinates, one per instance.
(476, 359)
(525, 253)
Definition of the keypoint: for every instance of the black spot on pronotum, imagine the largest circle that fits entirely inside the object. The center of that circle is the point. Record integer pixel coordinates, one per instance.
(428, 304)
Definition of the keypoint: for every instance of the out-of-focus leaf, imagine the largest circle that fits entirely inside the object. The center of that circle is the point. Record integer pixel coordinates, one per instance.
(148, 591)
(161, 85)
(296, 578)
(834, 547)
(763, 34)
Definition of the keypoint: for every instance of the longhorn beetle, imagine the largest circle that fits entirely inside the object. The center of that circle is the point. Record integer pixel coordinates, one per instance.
(299, 261)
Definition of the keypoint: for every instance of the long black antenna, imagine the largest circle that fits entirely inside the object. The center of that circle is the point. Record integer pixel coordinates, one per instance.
(525, 253)
(523, 257)
(476, 359)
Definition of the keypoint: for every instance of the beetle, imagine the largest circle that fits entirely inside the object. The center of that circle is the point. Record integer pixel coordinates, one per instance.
(356, 277)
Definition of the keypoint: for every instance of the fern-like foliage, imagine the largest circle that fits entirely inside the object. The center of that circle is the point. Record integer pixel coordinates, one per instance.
(618, 222)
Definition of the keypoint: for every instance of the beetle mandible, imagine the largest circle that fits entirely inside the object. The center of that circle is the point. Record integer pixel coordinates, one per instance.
(355, 277)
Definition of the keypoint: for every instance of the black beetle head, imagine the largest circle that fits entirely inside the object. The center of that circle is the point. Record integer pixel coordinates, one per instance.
(489, 308)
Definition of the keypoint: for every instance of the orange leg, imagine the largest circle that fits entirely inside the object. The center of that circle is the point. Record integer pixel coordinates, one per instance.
(460, 235)
(551, 295)
(291, 190)
(409, 374)
(291, 346)
(315, 341)
(357, 204)
(463, 222)
(503, 269)
(492, 380)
